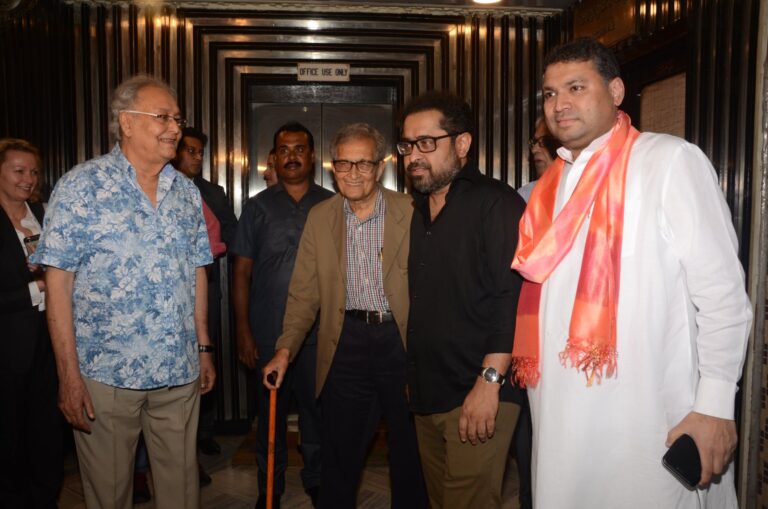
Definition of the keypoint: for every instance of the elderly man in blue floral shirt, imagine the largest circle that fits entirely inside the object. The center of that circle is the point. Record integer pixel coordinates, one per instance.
(125, 244)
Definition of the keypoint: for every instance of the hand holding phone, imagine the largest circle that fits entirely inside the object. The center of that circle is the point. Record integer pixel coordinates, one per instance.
(684, 462)
(31, 243)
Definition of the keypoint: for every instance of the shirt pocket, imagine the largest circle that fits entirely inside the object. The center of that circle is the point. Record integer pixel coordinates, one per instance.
(181, 229)
(281, 235)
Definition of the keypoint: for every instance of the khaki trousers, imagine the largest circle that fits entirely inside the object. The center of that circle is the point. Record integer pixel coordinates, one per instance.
(168, 417)
(461, 475)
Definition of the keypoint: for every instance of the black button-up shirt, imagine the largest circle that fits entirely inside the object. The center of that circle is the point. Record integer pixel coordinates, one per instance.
(463, 292)
(268, 233)
(214, 196)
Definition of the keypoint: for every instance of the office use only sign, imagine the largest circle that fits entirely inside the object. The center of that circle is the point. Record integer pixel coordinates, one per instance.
(311, 71)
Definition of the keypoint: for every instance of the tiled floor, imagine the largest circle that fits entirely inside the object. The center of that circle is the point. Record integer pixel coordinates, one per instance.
(234, 480)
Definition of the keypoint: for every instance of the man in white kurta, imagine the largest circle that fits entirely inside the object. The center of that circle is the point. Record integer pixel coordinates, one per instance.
(683, 321)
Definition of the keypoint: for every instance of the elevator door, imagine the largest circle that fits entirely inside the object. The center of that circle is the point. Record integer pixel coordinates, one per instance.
(323, 109)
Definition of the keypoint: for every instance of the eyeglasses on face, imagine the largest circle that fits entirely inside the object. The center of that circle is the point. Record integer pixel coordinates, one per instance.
(425, 144)
(160, 117)
(541, 141)
(363, 166)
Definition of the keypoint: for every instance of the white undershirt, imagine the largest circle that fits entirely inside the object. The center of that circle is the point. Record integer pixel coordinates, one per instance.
(30, 223)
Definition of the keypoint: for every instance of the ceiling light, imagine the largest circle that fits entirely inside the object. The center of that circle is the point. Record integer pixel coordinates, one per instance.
(486, 1)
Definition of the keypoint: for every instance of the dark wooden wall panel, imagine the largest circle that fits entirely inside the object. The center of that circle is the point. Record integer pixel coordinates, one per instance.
(37, 96)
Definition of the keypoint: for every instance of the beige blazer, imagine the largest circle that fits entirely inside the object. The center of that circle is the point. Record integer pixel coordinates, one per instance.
(319, 276)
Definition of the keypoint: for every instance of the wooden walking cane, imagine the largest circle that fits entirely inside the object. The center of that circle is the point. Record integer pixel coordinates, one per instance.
(272, 377)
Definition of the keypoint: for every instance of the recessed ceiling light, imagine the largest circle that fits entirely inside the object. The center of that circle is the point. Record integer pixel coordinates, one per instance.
(486, 1)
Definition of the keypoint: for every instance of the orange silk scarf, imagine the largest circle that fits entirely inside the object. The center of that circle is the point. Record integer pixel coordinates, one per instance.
(544, 242)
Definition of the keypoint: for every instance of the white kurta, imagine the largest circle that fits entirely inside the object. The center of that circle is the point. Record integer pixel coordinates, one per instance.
(683, 323)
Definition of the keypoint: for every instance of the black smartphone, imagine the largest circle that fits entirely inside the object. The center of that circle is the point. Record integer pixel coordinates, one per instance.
(31, 242)
(682, 459)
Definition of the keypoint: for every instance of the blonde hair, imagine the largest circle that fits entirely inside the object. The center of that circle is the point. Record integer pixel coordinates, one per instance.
(8, 144)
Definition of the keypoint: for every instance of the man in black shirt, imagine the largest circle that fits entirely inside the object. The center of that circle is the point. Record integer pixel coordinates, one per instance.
(265, 247)
(189, 161)
(463, 305)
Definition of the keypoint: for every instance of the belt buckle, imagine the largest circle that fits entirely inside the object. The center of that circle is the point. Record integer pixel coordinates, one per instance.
(373, 318)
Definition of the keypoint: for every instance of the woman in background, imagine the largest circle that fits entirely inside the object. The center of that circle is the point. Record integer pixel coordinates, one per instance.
(30, 432)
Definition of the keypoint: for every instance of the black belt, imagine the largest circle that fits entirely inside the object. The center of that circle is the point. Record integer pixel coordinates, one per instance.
(371, 317)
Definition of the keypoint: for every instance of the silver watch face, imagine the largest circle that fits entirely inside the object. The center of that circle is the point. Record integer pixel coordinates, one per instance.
(491, 375)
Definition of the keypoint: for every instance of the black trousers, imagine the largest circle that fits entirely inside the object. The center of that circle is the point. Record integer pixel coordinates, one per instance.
(523, 444)
(31, 469)
(367, 379)
(299, 386)
(206, 426)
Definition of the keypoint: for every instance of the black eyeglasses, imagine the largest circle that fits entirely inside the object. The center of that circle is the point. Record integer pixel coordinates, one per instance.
(164, 118)
(541, 141)
(363, 166)
(425, 144)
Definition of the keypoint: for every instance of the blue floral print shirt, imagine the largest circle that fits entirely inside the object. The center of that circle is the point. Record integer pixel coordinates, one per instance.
(134, 264)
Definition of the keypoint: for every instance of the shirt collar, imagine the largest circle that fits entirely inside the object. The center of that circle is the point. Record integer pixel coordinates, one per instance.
(30, 221)
(165, 180)
(313, 189)
(467, 176)
(598, 142)
(378, 208)
(168, 173)
(120, 162)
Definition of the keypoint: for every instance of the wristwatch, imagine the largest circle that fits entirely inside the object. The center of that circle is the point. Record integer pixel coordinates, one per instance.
(490, 375)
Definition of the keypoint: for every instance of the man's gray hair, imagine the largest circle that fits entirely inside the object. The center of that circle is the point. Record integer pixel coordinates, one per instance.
(124, 97)
(357, 131)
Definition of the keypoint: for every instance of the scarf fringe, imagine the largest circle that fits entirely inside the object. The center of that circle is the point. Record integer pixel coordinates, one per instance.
(525, 371)
(596, 362)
